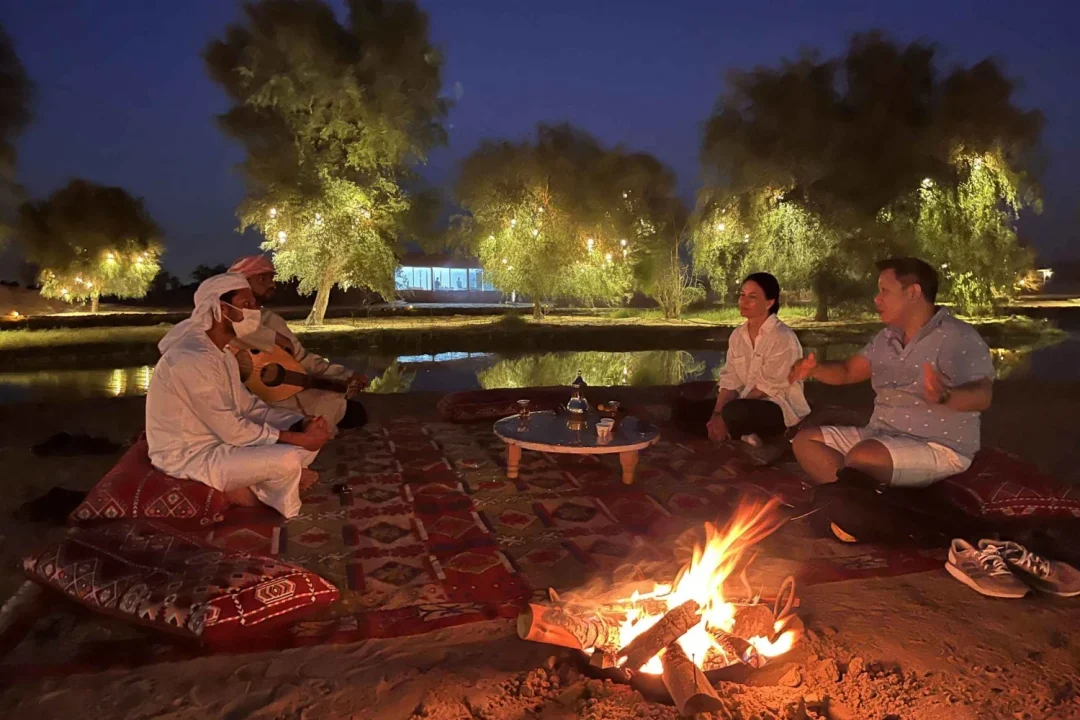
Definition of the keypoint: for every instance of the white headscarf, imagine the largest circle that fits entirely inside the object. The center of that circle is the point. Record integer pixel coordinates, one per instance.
(207, 306)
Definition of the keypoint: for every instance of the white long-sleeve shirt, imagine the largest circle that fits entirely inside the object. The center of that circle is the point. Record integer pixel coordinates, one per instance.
(765, 366)
(196, 404)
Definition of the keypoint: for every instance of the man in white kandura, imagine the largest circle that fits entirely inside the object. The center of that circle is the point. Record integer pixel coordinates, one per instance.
(204, 425)
(341, 410)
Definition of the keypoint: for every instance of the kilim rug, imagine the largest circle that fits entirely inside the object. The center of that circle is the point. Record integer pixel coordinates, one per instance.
(432, 534)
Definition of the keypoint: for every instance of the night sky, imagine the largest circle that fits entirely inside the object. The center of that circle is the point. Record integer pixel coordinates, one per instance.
(123, 98)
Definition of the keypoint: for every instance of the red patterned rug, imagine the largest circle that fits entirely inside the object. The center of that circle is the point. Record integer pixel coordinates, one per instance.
(432, 534)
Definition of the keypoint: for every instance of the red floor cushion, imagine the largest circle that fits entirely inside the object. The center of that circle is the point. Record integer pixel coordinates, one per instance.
(1002, 486)
(136, 489)
(473, 405)
(147, 573)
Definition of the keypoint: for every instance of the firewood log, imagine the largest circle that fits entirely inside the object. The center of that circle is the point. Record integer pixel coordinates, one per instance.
(556, 626)
(689, 688)
(669, 629)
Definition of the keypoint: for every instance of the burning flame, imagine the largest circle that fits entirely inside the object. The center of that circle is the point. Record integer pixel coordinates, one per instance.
(702, 581)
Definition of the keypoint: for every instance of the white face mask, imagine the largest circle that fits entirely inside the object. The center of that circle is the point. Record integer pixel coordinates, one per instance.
(250, 323)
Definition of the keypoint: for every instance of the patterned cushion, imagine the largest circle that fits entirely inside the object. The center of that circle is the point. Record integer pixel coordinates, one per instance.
(136, 489)
(475, 405)
(1002, 486)
(147, 573)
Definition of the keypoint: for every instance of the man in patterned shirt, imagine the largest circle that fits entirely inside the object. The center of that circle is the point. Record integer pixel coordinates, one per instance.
(932, 375)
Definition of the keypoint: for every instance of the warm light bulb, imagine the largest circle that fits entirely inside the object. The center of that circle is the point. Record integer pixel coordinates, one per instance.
(491, 237)
(589, 243)
(366, 213)
(281, 236)
(927, 183)
(623, 243)
(511, 267)
(535, 232)
(504, 261)
(318, 216)
(78, 279)
(273, 212)
(110, 257)
(746, 237)
(625, 195)
(608, 257)
(721, 227)
(513, 222)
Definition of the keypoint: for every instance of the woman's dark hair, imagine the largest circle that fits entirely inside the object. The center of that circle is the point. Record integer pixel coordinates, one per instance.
(769, 286)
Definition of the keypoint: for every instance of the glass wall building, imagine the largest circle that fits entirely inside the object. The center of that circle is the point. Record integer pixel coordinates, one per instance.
(419, 275)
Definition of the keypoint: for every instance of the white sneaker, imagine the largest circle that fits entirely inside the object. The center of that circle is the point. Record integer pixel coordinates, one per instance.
(1048, 576)
(983, 570)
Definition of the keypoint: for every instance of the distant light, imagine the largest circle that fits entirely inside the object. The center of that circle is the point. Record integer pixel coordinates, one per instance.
(511, 267)
(366, 214)
(978, 162)
(63, 291)
(721, 227)
(110, 257)
(78, 279)
(626, 195)
(589, 243)
(504, 261)
(927, 183)
(89, 284)
(513, 222)
(624, 253)
(540, 209)
(318, 217)
(491, 237)
(944, 266)
(273, 212)
(608, 257)
(535, 232)
(623, 243)
(15, 314)
(281, 236)
(746, 237)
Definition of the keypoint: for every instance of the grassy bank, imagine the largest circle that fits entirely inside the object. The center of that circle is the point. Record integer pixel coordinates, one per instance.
(606, 330)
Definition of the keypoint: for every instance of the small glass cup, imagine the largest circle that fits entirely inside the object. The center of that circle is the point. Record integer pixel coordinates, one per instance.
(523, 408)
(612, 407)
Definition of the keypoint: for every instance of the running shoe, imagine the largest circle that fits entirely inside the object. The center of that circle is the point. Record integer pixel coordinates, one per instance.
(983, 570)
(1049, 576)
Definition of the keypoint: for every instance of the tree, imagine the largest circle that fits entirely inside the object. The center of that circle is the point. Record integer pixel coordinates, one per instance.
(203, 272)
(561, 216)
(15, 115)
(816, 166)
(332, 116)
(90, 240)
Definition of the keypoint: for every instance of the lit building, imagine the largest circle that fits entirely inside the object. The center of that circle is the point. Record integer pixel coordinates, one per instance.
(443, 278)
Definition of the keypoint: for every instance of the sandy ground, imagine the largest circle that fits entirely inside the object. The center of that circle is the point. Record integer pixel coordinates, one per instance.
(918, 646)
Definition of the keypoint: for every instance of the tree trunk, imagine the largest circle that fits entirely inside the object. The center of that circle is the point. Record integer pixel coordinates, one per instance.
(322, 299)
(538, 312)
(95, 300)
(822, 305)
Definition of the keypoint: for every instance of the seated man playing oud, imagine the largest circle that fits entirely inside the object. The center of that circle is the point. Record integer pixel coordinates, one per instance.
(932, 375)
(756, 401)
(203, 424)
(340, 409)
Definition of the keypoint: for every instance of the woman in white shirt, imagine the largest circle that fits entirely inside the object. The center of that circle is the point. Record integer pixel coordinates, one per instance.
(756, 402)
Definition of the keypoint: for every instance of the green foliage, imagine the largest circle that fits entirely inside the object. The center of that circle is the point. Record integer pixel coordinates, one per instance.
(395, 379)
(332, 116)
(607, 369)
(675, 289)
(967, 229)
(563, 217)
(90, 240)
(816, 200)
(15, 115)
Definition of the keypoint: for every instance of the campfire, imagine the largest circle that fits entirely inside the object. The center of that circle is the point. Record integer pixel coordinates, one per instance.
(684, 630)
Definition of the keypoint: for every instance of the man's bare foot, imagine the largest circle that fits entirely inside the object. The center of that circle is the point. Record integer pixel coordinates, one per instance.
(308, 478)
(243, 497)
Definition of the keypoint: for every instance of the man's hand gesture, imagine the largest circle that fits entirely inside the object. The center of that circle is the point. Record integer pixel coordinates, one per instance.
(934, 387)
(357, 382)
(718, 429)
(802, 369)
(315, 435)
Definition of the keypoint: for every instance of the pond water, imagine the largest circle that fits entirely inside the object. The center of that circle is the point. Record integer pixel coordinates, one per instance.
(470, 371)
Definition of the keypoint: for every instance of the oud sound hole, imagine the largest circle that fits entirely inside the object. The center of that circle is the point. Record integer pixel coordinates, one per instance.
(272, 375)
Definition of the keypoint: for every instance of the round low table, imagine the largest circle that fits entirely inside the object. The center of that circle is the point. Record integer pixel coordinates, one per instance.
(556, 433)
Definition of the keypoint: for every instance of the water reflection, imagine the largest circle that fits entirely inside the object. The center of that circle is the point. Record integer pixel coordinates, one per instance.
(466, 371)
(654, 367)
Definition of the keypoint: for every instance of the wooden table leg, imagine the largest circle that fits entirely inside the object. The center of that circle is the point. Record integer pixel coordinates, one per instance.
(513, 460)
(629, 464)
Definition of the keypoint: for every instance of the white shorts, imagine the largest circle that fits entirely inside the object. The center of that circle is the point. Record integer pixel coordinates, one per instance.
(916, 463)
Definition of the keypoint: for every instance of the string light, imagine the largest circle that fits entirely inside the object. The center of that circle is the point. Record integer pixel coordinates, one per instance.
(927, 183)
(589, 243)
(281, 236)
(273, 212)
(513, 222)
(625, 195)
(504, 261)
(535, 232)
(721, 227)
(366, 213)
(746, 237)
(608, 258)
(623, 243)
(110, 257)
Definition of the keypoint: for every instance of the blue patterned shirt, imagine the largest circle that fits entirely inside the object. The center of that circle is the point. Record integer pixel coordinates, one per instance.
(957, 351)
